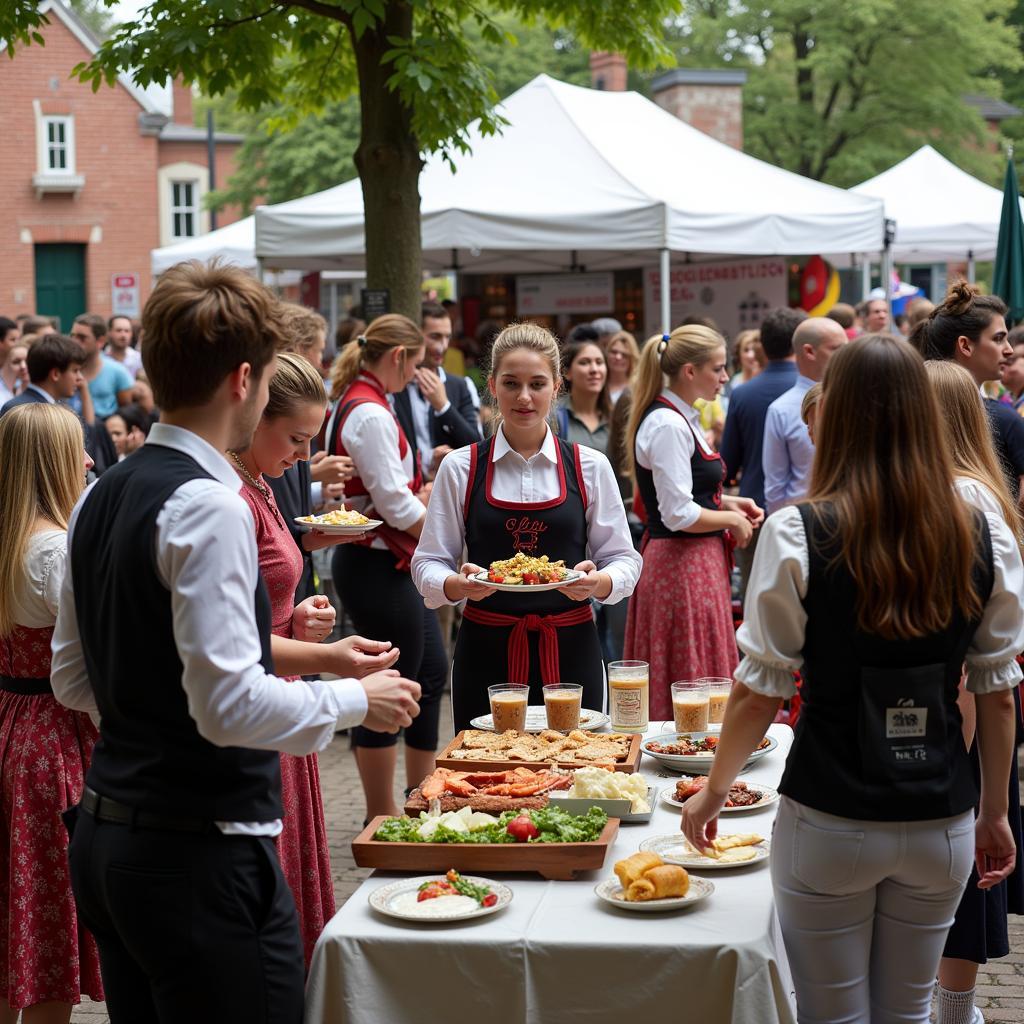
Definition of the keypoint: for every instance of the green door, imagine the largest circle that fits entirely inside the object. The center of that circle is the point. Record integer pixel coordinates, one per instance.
(60, 282)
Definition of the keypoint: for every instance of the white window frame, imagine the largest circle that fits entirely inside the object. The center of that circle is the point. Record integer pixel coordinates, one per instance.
(179, 171)
(191, 209)
(67, 123)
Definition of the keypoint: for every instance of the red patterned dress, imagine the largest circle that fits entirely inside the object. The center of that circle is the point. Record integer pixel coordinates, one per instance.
(302, 845)
(45, 954)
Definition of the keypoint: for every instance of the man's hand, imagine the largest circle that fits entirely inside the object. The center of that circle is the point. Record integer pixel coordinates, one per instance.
(431, 388)
(392, 701)
(356, 656)
(331, 469)
(439, 453)
(313, 619)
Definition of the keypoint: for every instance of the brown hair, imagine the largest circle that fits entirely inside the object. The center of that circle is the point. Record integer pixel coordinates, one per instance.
(627, 339)
(878, 470)
(843, 313)
(302, 327)
(964, 312)
(918, 310)
(96, 324)
(534, 337)
(751, 336)
(201, 323)
(294, 384)
(52, 352)
(810, 401)
(392, 330)
(570, 352)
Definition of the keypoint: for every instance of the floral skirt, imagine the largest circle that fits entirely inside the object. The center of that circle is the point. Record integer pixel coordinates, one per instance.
(45, 954)
(680, 616)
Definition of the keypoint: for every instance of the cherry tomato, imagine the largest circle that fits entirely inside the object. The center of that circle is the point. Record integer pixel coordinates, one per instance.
(522, 829)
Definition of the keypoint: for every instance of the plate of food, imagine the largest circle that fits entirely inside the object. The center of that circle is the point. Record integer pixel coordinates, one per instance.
(695, 751)
(627, 797)
(453, 897)
(735, 850)
(479, 750)
(743, 796)
(537, 719)
(522, 789)
(340, 521)
(527, 573)
(644, 882)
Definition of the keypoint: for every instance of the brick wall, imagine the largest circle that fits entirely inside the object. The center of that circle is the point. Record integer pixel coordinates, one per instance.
(710, 100)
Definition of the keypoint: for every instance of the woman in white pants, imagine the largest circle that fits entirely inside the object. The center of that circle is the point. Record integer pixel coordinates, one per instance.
(879, 587)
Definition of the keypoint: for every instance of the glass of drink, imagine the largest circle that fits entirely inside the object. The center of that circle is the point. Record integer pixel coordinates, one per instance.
(718, 697)
(563, 702)
(629, 694)
(508, 706)
(690, 700)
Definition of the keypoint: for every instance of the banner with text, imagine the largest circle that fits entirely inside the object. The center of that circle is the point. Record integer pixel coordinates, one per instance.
(564, 293)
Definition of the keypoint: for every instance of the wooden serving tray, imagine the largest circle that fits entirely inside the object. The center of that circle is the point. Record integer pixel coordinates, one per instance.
(557, 861)
(445, 759)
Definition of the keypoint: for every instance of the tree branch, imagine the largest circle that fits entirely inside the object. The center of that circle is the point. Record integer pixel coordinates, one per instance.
(325, 10)
(234, 22)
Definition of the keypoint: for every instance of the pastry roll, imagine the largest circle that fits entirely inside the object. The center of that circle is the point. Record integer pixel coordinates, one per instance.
(632, 868)
(662, 882)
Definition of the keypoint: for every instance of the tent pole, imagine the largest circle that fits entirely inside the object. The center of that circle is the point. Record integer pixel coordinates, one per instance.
(970, 266)
(865, 276)
(666, 293)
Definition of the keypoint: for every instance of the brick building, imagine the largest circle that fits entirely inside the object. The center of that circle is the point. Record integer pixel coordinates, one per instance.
(91, 182)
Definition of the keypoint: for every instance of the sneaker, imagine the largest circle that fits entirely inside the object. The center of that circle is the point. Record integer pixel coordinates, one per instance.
(979, 1017)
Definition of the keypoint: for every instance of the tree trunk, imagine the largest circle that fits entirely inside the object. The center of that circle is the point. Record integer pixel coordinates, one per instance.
(388, 161)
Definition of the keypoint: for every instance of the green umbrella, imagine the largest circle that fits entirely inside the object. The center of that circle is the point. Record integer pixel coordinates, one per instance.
(1008, 281)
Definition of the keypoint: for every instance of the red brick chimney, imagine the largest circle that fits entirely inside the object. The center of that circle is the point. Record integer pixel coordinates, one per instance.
(608, 71)
(181, 98)
(710, 99)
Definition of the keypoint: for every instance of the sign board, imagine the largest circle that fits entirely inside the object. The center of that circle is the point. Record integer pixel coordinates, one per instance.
(124, 295)
(735, 294)
(375, 302)
(538, 294)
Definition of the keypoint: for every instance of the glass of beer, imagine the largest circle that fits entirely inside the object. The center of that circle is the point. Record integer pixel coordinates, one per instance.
(718, 697)
(629, 694)
(690, 703)
(508, 706)
(563, 702)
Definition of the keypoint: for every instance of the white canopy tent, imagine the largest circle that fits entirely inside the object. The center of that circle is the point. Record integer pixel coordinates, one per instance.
(234, 243)
(942, 213)
(587, 178)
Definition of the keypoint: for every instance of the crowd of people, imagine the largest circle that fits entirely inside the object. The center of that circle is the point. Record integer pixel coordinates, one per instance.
(858, 457)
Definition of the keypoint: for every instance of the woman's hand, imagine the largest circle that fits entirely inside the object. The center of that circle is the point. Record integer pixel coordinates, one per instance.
(316, 540)
(313, 619)
(700, 818)
(591, 584)
(994, 851)
(331, 469)
(746, 507)
(355, 656)
(459, 586)
(741, 529)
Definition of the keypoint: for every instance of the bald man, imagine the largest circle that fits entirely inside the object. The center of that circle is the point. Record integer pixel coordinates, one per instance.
(787, 452)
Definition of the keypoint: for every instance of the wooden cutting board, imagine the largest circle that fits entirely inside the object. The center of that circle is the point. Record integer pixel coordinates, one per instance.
(445, 759)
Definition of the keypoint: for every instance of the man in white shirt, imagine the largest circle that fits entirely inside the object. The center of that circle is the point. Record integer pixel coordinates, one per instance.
(787, 452)
(164, 633)
(119, 344)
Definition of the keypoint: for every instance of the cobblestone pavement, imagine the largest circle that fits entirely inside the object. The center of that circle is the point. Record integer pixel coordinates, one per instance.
(1000, 990)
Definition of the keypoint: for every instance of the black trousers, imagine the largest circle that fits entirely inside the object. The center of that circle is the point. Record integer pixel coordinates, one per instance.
(191, 929)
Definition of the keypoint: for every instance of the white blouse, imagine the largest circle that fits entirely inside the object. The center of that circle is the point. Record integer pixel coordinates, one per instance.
(665, 445)
(533, 480)
(37, 589)
(772, 634)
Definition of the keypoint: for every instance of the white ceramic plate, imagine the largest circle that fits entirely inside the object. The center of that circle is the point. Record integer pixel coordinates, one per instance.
(695, 764)
(337, 530)
(537, 720)
(528, 588)
(388, 899)
(611, 892)
(768, 796)
(676, 849)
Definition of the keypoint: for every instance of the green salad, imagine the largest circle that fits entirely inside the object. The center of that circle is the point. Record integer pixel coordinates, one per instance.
(546, 825)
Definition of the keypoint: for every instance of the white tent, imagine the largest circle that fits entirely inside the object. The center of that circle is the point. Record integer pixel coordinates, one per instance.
(583, 177)
(941, 212)
(234, 243)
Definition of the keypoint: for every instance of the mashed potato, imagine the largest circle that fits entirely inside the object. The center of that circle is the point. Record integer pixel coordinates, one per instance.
(598, 784)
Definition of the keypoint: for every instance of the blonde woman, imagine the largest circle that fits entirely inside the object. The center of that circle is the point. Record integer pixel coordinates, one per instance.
(680, 617)
(47, 960)
(622, 355)
(748, 357)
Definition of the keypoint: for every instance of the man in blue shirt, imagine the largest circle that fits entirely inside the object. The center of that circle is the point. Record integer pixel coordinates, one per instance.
(787, 453)
(748, 405)
(110, 384)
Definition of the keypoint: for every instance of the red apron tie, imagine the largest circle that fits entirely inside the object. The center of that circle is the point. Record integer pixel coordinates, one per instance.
(518, 646)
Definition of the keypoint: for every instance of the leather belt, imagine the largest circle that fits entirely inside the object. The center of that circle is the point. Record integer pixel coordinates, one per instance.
(102, 808)
(26, 686)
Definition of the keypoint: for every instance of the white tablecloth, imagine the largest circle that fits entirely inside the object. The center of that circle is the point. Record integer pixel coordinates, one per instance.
(558, 955)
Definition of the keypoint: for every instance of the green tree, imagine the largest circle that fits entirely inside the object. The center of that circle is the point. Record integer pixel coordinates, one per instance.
(419, 81)
(99, 20)
(840, 91)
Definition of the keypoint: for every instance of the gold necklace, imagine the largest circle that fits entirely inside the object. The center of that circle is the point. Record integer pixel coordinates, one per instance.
(259, 485)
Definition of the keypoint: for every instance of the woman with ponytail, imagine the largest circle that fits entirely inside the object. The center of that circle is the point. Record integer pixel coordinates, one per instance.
(372, 578)
(680, 616)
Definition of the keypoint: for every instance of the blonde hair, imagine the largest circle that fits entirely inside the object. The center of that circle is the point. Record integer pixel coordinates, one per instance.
(968, 435)
(295, 383)
(534, 338)
(810, 402)
(43, 474)
(661, 359)
(627, 339)
(392, 330)
(302, 327)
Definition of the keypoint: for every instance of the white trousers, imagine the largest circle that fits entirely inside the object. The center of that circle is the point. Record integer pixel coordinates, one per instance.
(864, 908)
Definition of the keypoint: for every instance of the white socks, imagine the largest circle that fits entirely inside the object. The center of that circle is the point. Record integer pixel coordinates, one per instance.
(956, 1007)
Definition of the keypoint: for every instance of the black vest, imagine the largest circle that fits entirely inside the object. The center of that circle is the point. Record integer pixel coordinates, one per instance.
(708, 472)
(150, 754)
(496, 530)
(879, 735)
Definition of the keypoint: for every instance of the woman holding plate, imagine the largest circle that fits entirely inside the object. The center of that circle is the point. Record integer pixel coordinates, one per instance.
(525, 490)
(880, 594)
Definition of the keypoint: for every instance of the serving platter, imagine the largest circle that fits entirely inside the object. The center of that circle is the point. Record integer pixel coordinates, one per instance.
(555, 861)
(676, 849)
(388, 899)
(571, 576)
(310, 523)
(696, 764)
(470, 764)
(537, 719)
(612, 892)
(768, 796)
(621, 809)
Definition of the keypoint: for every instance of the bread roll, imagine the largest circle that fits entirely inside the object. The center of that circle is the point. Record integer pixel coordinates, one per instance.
(641, 889)
(669, 880)
(632, 868)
